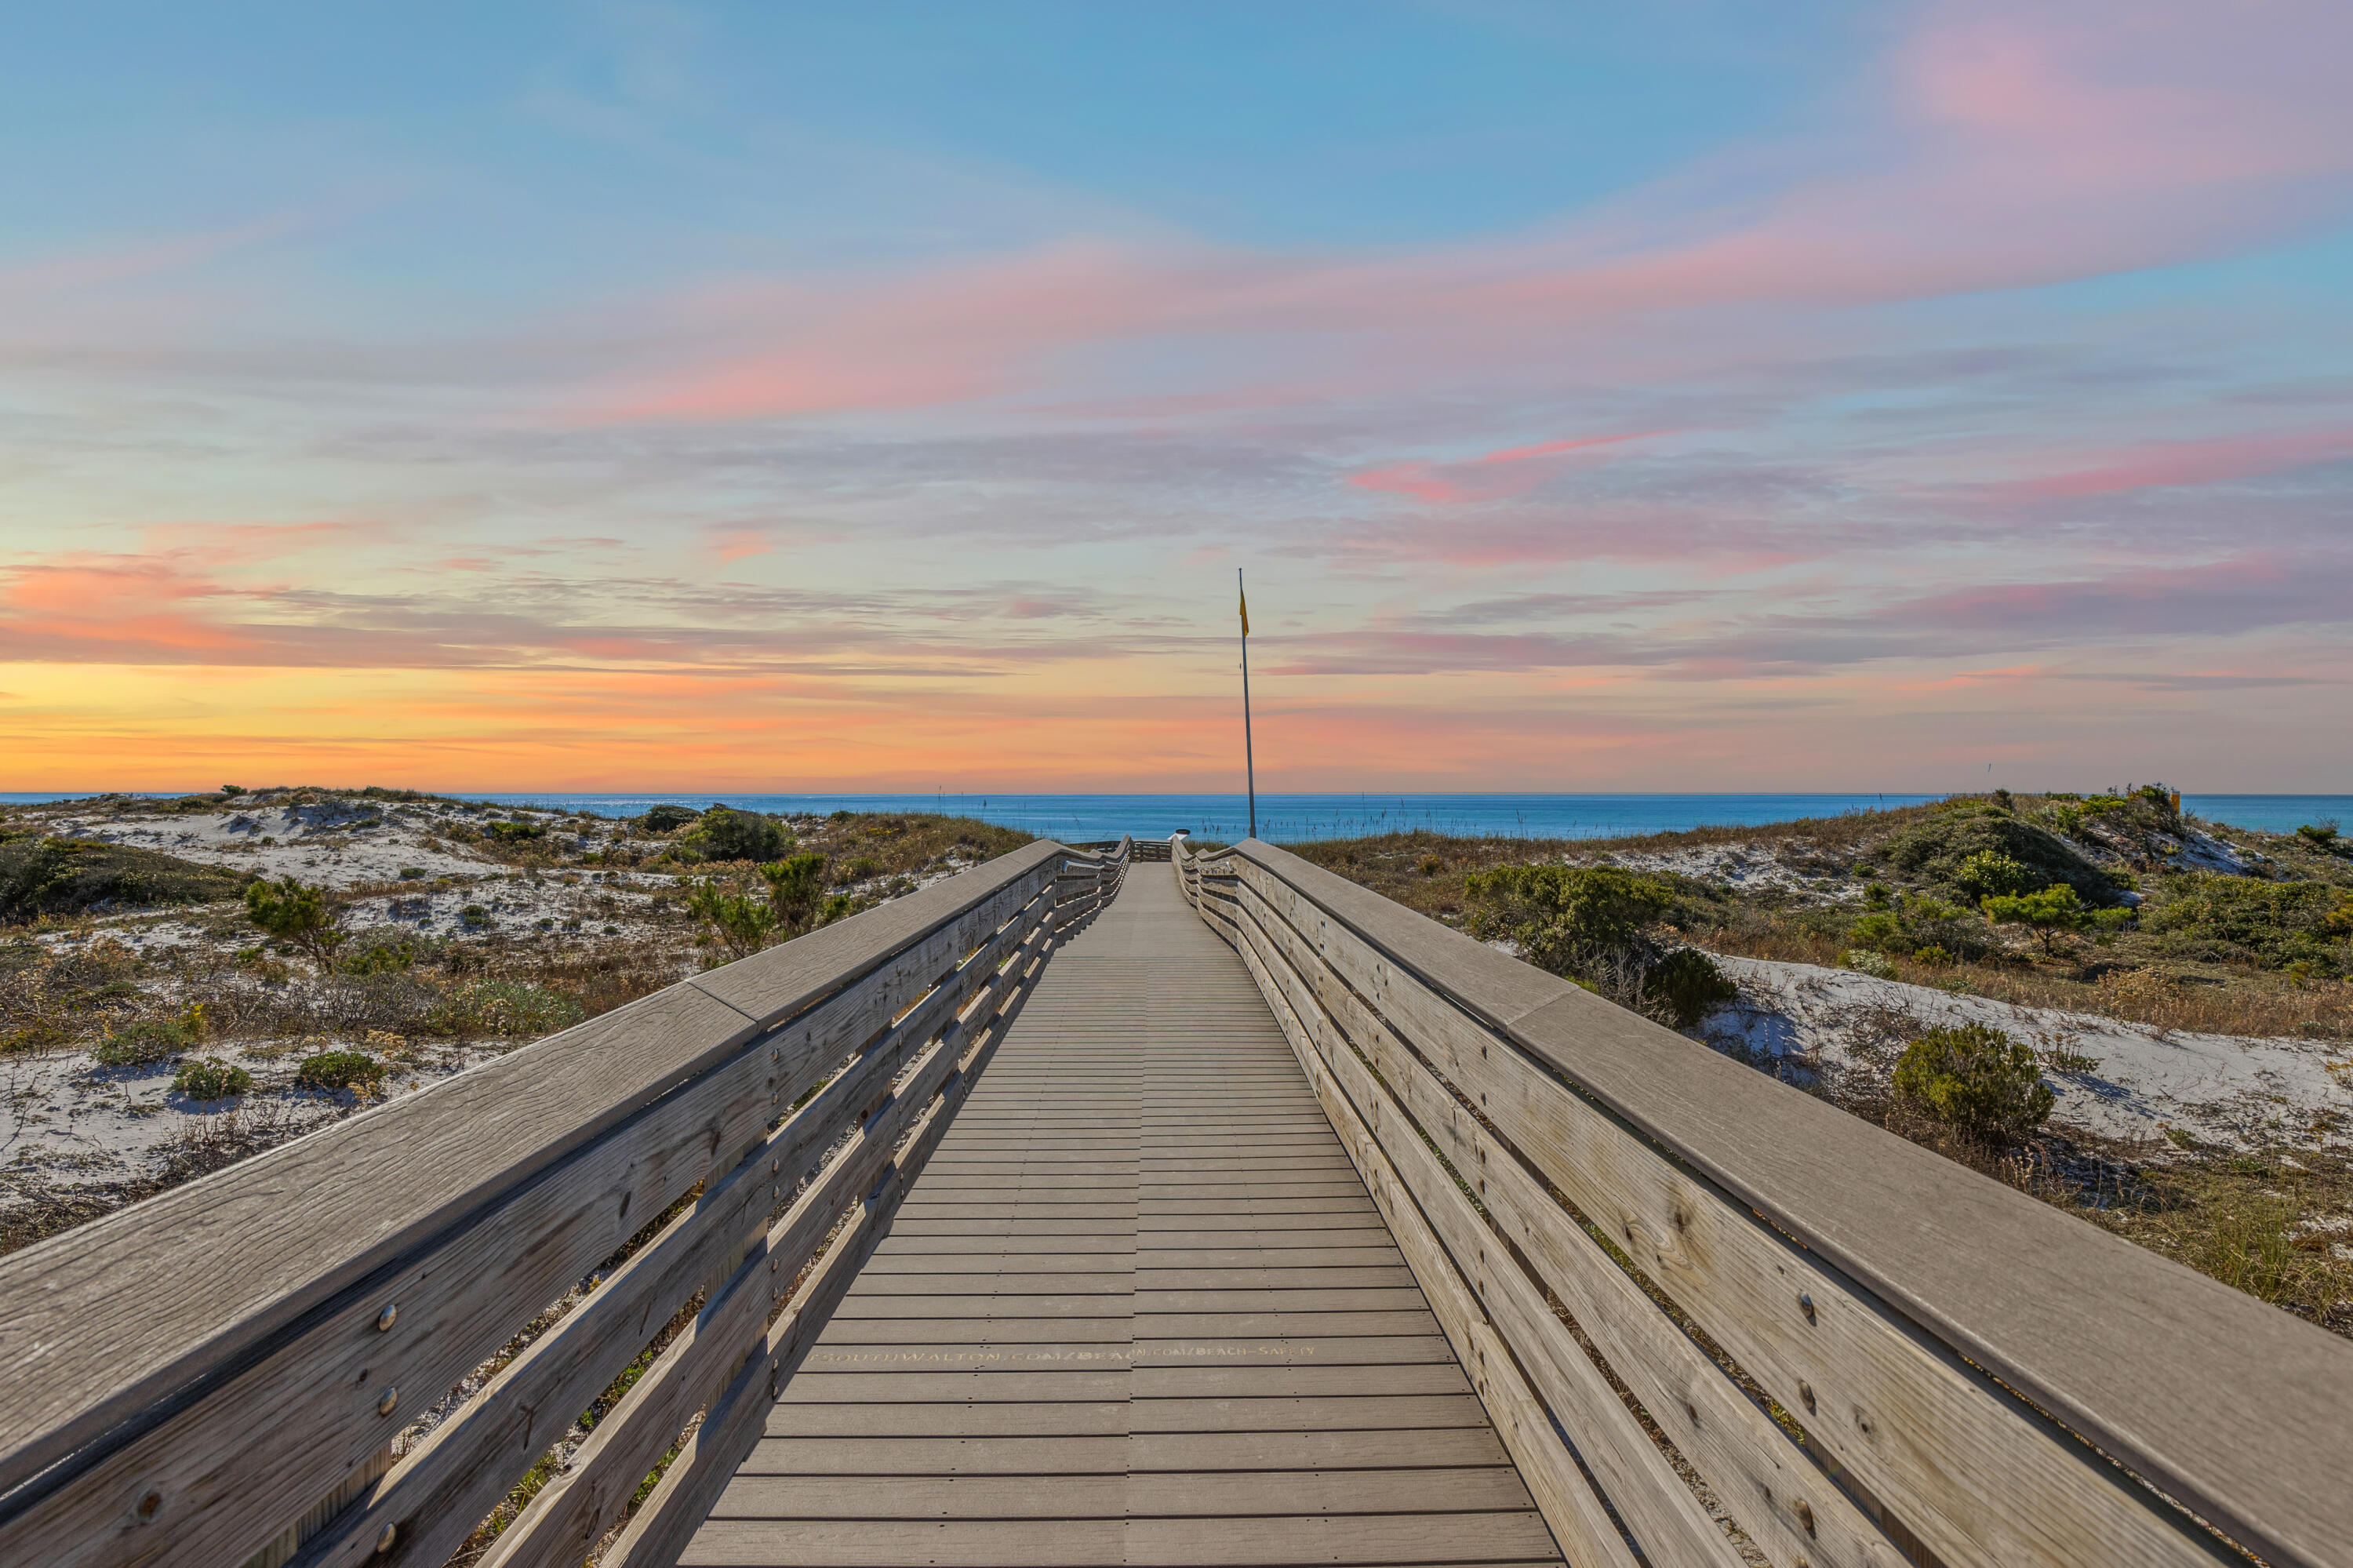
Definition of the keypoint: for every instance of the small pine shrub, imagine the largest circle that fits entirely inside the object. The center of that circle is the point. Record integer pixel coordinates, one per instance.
(1561, 914)
(331, 1070)
(1933, 957)
(412, 874)
(668, 819)
(1993, 874)
(1686, 983)
(209, 1078)
(1975, 1079)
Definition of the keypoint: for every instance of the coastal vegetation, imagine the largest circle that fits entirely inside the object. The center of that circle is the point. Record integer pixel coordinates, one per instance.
(2108, 905)
(186, 981)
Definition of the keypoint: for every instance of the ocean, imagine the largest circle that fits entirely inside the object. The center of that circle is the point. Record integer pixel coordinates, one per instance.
(1291, 819)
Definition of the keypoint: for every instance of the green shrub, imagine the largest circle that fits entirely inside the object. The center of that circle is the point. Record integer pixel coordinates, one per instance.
(1868, 961)
(1919, 921)
(497, 1007)
(2048, 913)
(412, 874)
(725, 834)
(739, 921)
(794, 887)
(331, 1070)
(71, 876)
(209, 1078)
(514, 832)
(1931, 956)
(1561, 915)
(381, 958)
(1975, 1079)
(864, 866)
(2223, 918)
(1994, 874)
(668, 819)
(1947, 847)
(296, 913)
(150, 1039)
(1686, 983)
(474, 915)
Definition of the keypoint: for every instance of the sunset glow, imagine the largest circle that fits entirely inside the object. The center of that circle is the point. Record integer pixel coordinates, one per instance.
(686, 398)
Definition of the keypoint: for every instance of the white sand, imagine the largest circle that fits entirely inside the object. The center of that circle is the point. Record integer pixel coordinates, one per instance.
(2234, 1092)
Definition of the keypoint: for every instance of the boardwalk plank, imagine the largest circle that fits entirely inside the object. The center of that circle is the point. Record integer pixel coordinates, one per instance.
(1138, 1308)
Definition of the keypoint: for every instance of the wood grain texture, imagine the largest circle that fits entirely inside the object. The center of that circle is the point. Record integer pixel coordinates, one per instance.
(1139, 1237)
(1760, 1476)
(501, 1187)
(1661, 1513)
(2064, 1310)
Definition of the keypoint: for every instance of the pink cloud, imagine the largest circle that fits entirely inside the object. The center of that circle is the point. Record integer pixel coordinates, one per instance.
(1515, 471)
(123, 264)
(2002, 146)
(2162, 464)
(728, 545)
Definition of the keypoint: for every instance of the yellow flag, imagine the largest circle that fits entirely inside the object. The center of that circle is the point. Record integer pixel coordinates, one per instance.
(1245, 599)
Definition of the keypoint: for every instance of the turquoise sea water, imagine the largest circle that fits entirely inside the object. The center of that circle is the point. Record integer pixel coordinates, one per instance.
(1293, 818)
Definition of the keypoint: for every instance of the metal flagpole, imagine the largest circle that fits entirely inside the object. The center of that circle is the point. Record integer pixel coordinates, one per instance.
(1249, 763)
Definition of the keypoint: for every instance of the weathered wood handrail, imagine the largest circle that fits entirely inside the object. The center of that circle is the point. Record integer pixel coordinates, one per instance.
(215, 1375)
(1930, 1365)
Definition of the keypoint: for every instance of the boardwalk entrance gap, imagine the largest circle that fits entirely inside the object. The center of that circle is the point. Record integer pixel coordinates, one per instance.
(1122, 1205)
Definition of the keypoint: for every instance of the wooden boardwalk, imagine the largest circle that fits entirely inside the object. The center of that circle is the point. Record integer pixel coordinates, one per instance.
(1137, 1308)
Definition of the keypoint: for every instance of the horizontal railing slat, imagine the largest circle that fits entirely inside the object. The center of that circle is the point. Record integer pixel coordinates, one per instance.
(661, 1530)
(1915, 1268)
(1762, 1478)
(1660, 1511)
(435, 1495)
(185, 1375)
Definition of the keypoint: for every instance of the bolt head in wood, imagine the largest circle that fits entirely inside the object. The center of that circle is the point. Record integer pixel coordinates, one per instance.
(1806, 1305)
(386, 1536)
(387, 1318)
(391, 1397)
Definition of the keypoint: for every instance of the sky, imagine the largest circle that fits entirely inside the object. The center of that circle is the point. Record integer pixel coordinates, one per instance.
(782, 397)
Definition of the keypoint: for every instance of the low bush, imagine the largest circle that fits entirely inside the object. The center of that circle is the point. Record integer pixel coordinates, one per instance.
(742, 922)
(1868, 961)
(499, 1007)
(515, 832)
(332, 1070)
(1975, 1079)
(668, 819)
(377, 957)
(2050, 914)
(209, 1078)
(1561, 915)
(1992, 874)
(412, 874)
(725, 834)
(795, 886)
(148, 1040)
(1972, 848)
(296, 913)
(1913, 923)
(71, 876)
(1685, 984)
(2239, 919)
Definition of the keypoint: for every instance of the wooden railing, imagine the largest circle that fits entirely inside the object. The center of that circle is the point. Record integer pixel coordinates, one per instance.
(219, 1374)
(1863, 1352)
